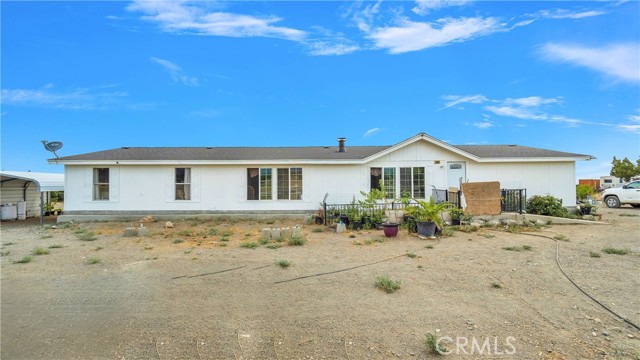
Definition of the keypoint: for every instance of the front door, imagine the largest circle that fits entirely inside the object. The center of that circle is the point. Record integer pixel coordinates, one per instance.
(456, 172)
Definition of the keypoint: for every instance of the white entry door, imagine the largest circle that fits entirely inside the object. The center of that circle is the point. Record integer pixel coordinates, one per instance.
(456, 172)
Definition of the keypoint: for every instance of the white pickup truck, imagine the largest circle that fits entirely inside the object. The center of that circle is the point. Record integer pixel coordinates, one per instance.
(626, 194)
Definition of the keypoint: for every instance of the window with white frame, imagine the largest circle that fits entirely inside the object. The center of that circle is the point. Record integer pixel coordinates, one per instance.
(101, 184)
(259, 184)
(412, 182)
(183, 183)
(384, 176)
(289, 184)
(389, 182)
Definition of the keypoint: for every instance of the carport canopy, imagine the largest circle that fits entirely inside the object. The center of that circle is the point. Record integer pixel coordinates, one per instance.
(44, 182)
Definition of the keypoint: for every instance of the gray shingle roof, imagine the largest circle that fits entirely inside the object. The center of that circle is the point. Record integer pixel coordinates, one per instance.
(295, 153)
(513, 151)
(230, 153)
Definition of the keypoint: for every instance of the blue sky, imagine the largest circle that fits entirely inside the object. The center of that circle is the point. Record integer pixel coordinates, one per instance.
(102, 75)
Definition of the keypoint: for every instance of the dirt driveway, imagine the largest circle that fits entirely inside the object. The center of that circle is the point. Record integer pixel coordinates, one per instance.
(196, 292)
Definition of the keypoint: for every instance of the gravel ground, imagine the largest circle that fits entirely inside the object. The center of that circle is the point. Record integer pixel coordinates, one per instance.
(185, 293)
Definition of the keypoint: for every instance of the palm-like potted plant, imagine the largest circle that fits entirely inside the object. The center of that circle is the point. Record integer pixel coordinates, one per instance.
(428, 216)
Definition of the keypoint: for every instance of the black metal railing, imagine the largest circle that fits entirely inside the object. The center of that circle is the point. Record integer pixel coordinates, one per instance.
(452, 197)
(513, 200)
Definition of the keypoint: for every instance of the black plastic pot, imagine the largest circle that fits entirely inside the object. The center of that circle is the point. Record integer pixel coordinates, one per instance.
(345, 220)
(426, 228)
(455, 221)
(585, 210)
(319, 220)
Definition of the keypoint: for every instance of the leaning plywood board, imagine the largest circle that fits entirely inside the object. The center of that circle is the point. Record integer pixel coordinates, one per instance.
(482, 198)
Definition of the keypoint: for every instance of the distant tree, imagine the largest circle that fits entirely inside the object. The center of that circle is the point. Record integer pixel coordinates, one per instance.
(624, 168)
(582, 191)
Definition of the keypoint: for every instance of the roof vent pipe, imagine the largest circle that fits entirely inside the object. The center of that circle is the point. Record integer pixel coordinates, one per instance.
(341, 142)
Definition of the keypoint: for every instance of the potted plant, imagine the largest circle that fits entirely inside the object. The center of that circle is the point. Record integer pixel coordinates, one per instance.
(373, 200)
(371, 206)
(586, 208)
(456, 215)
(428, 216)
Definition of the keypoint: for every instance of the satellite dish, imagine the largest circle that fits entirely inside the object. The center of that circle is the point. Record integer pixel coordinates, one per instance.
(52, 146)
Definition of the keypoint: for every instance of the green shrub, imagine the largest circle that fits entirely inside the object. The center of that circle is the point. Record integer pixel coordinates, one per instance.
(93, 260)
(39, 251)
(317, 230)
(431, 343)
(283, 263)
(594, 254)
(56, 246)
(24, 260)
(448, 232)
(496, 285)
(178, 241)
(297, 241)
(518, 248)
(186, 232)
(562, 237)
(616, 251)
(86, 235)
(213, 231)
(386, 284)
(546, 205)
(249, 245)
(411, 255)
(582, 191)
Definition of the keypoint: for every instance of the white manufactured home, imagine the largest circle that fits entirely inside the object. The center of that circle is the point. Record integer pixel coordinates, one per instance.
(207, 180)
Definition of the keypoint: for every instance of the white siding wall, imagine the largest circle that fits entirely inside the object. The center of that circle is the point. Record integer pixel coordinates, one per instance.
(554, 178)
(224, 188)
(214, 188)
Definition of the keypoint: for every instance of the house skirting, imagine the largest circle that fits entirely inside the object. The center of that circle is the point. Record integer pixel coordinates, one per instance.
(167, 215)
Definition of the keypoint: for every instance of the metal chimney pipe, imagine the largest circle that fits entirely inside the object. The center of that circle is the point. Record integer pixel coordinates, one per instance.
(341, 142)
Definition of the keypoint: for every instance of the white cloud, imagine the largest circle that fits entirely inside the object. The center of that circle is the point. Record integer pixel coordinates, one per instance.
(413, 36)
(363, 18)
(330, 43)
(632, 128)
(180, 17)
(75, 99)
(515, 112)
(423, 7)
(634, 118)
(176, 72)
(619, 61)
(567, 14)
(323, 48)
(457, 100)
(532, 101)
(371, 132)
(524, 108)
(483, 125)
